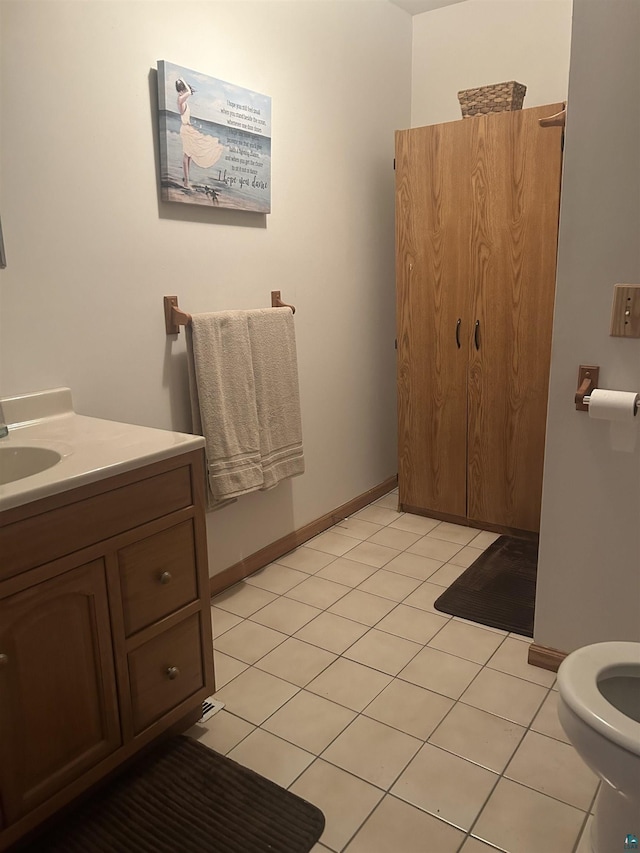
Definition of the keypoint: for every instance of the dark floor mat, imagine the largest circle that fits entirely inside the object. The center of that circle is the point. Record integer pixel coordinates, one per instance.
(185, 797)
(499, 589)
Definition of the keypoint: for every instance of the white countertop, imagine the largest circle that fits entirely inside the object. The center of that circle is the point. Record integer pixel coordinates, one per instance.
(92, 449)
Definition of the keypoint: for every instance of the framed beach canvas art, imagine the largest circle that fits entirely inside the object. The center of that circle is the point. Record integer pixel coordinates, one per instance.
(215, 141)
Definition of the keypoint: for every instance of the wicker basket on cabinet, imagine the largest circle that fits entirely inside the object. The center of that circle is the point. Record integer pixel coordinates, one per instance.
(495, 98)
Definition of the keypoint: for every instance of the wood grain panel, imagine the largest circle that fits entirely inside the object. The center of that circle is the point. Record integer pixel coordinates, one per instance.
(157, 576)
(515, 196)
(432, 274)
(58, 707)
(55, 532)
(165, 671)
(545, 657)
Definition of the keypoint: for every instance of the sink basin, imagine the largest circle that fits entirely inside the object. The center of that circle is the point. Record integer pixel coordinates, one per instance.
(16, 463)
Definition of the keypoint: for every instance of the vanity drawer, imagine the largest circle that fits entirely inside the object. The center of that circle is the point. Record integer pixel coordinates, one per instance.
(157, 576)
(53, 531)
(165, 671)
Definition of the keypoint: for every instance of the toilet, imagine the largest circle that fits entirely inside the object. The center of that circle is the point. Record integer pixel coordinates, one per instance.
(599, 709)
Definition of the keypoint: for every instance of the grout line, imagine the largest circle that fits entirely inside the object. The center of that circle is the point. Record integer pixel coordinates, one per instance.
(362, 713)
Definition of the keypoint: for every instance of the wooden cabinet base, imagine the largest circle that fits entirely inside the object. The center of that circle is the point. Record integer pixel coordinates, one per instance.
(105, 633)
(468, 522)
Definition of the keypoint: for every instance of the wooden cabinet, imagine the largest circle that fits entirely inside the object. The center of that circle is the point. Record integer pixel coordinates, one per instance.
(477, 205)
(105, 632)
(58, 705)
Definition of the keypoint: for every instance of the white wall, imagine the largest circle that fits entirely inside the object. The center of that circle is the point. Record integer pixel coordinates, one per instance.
(479, 42)
(589, 569)
(92, 250)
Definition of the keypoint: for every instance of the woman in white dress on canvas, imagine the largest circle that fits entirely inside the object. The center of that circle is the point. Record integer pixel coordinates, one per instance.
(202, 149)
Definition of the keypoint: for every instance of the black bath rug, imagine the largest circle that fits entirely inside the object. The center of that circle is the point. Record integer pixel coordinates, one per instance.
(499, 589)
(185, 797)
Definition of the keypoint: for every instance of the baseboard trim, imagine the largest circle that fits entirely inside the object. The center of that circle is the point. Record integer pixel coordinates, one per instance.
(259, 559)
(545, 657)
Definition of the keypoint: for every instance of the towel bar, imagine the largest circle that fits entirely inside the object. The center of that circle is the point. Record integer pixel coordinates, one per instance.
(174, 316)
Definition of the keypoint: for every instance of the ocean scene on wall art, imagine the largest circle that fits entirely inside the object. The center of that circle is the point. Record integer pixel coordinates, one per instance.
(215, 141)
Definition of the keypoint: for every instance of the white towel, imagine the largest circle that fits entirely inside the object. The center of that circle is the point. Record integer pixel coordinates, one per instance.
(243, 382)
(275, 371)
(223, 402)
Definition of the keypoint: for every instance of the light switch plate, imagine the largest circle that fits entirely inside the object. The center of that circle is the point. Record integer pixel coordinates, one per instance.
(625, 316)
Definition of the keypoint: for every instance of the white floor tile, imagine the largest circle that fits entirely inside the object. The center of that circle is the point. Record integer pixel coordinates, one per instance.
(331, 632)
(226, 668)
(276, 578)
(362, 607)
(383, 651)
(511, 657)
(553, 768)
(389, 585)
(505, 696)
(521, 820)
(412, 623)
(318, 592)
(350, 684)
(435, 549)
(457, 533)
(255, 695)
(272, 757)
(372, 751)
(346, 572)
(440, 672)
(296, 661)
(413, 566)
(243, 599)
(397, 827)
(345, 800)
(248, 641)
(306, 560)
(285, 615)
(478, 736)
(466, 641)
(357, 528)
(378, 514)
(221, 732)
(309, 721)
(415, 523)
(446, 786)
(332, 542)
(411, 709)
(372, 555)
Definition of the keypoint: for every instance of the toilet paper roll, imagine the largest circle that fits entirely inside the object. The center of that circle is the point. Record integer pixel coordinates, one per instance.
(608, 405)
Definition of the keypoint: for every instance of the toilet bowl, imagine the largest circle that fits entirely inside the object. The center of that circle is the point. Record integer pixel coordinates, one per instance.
(599, 709)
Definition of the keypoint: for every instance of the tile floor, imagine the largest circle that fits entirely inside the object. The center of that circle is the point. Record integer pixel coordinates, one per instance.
(411, 730)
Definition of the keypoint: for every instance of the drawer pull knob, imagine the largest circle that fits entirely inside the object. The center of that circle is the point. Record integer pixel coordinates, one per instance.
(172, 672)
(165, 577)
(4, 660)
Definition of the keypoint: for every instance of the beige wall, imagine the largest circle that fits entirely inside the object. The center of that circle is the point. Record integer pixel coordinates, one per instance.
(92, 251)
(478, 42)
(589, 570)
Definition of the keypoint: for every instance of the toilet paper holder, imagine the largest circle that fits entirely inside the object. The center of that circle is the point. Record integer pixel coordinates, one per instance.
(588, 375)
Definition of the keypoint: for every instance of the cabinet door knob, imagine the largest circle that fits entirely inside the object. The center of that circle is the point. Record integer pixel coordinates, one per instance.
(165, 577)
(172, 672)
(4, 660)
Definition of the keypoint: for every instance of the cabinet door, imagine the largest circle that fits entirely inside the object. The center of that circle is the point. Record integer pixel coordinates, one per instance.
(432, 278)
(516, 195)
(58, 709)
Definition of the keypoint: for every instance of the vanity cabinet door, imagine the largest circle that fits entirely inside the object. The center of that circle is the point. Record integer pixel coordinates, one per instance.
(58, 705)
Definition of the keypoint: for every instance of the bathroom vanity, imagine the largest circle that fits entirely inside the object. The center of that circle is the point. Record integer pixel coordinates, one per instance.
(105, 627)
